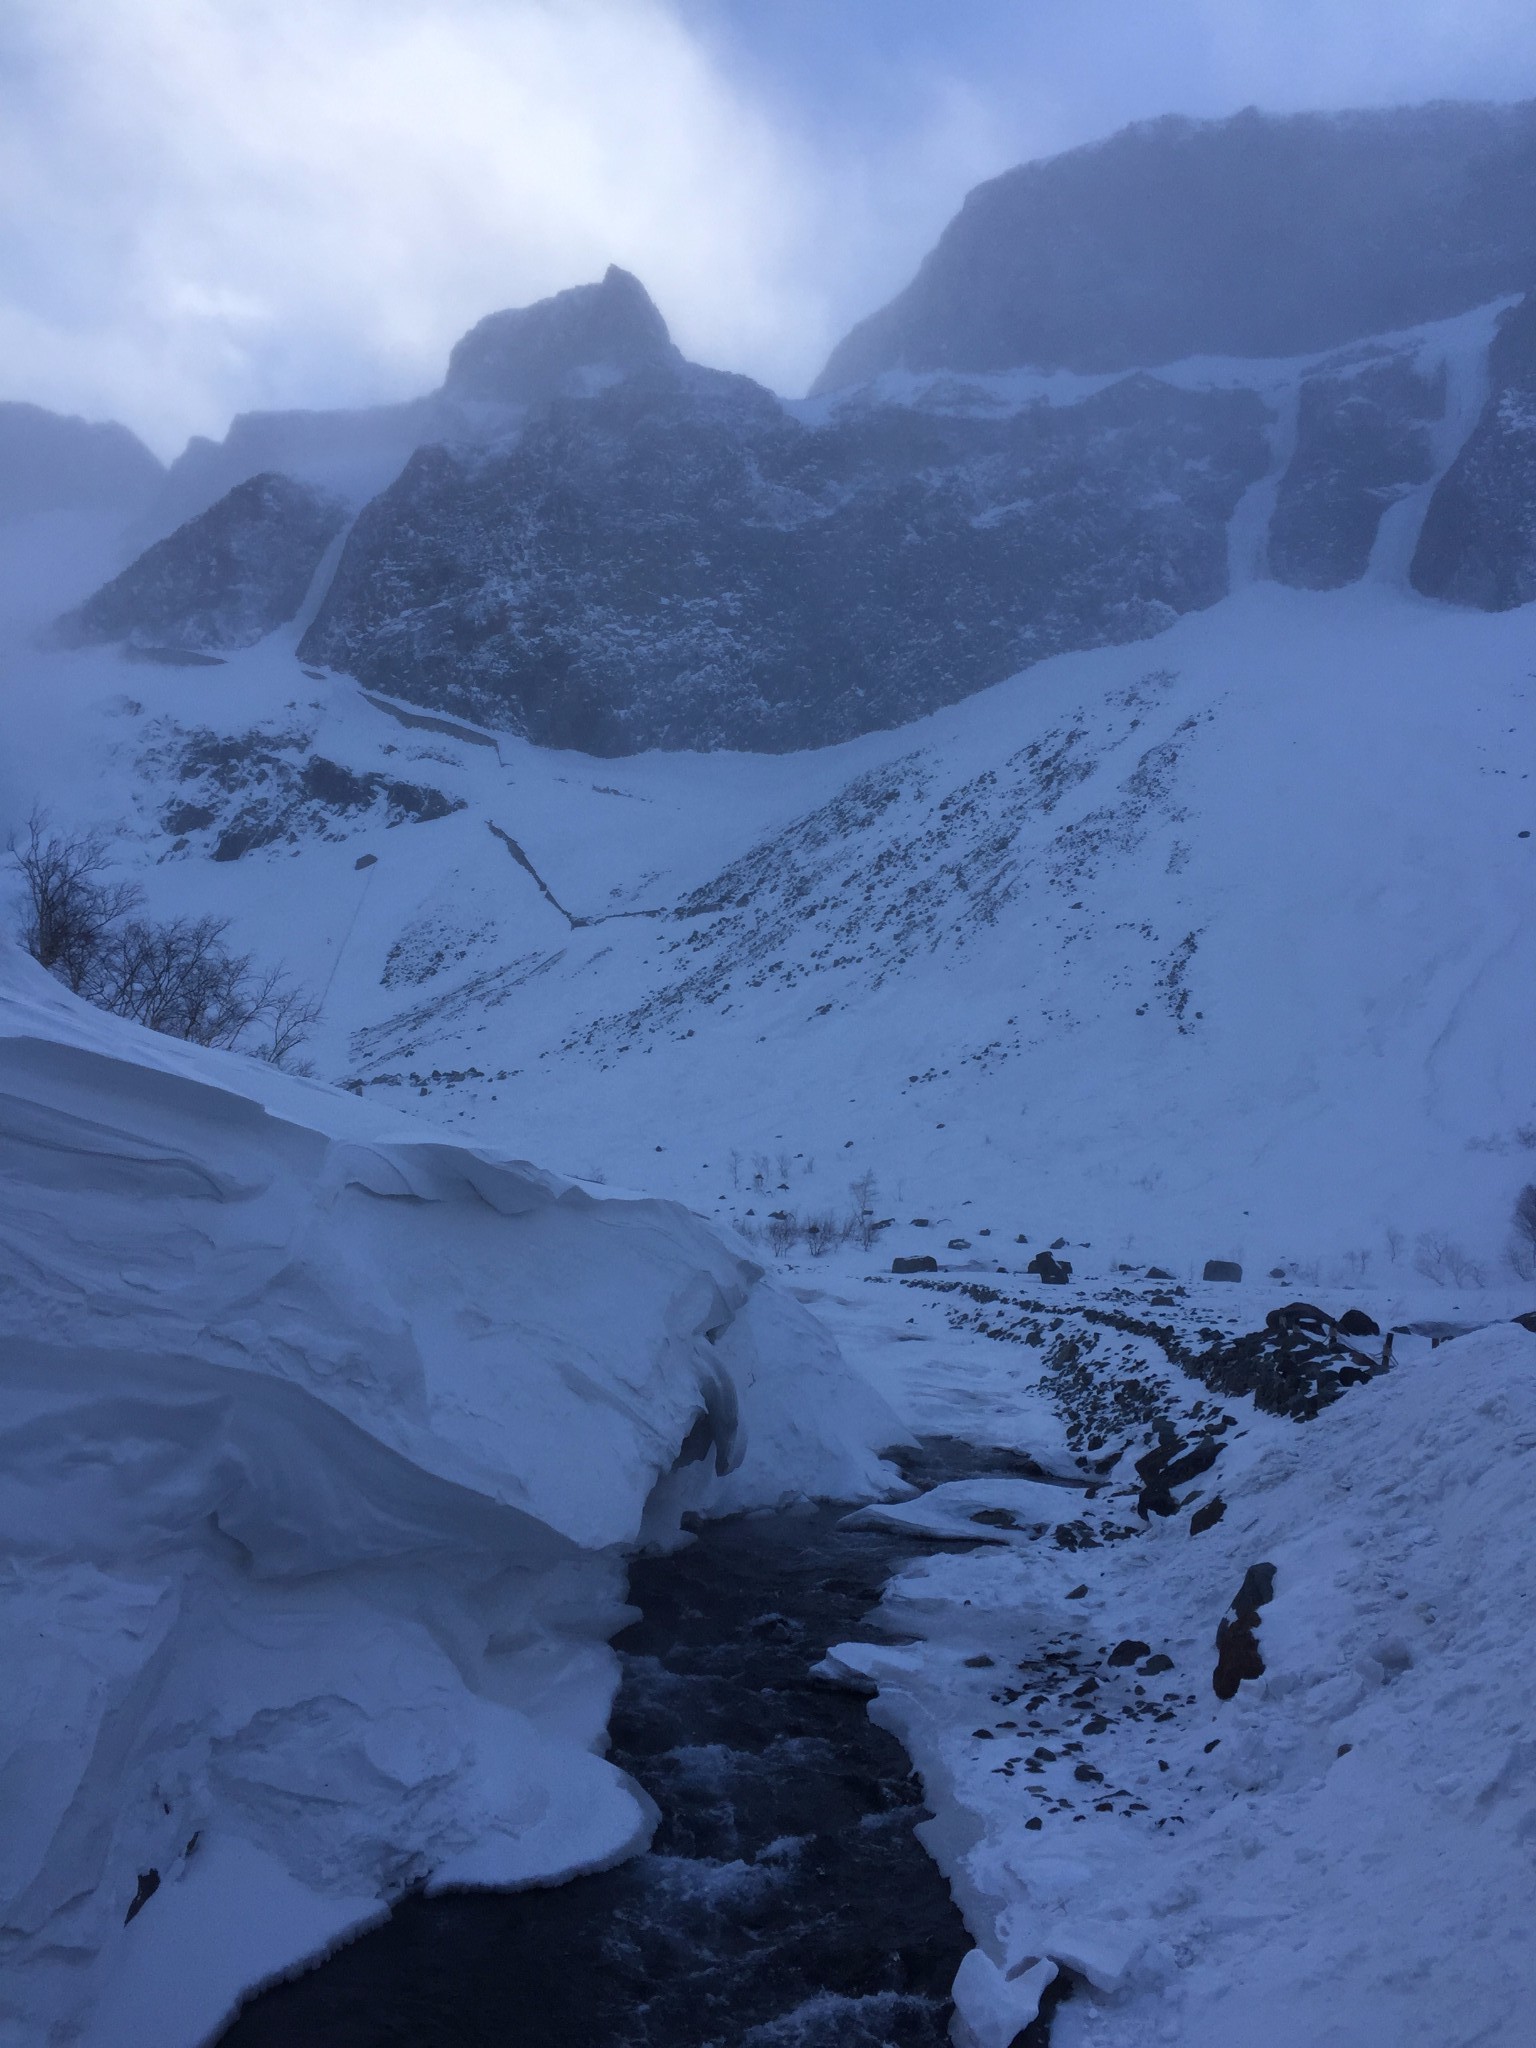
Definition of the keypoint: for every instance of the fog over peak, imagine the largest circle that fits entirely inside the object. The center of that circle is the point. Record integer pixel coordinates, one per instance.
(219, 205)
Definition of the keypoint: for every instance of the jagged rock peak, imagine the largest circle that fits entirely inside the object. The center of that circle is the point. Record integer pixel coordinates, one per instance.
(566, 343)
(1260, 235)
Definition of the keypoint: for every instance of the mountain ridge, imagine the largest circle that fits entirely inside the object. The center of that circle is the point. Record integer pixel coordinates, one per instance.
(1258, 235)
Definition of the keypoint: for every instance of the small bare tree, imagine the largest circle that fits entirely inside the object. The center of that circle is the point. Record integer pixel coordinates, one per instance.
(70, 902)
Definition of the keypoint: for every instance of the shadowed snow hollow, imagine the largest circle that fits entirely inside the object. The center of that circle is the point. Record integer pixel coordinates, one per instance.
(322, 1443)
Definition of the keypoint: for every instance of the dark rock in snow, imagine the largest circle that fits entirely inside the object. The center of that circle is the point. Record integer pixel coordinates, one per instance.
(668, 556)
(1208, 1516)
(1356, 1323)
(1129, 1652)
(1237, 1646)
(1477, 545)
(1237, 1656)
(224, 580)
(923, 1262)
(1300, 1315)
(1053, 1272)
(1222, 1269)
(244, 791)
(959, 1244)
(1256, 1591)
(1362, 441)
(1157, 1273)
(1261, 235)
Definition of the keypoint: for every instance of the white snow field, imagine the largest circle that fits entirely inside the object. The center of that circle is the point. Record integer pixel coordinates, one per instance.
(323, 1438)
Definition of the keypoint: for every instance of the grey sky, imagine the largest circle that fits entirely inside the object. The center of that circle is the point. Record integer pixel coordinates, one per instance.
(212, 205)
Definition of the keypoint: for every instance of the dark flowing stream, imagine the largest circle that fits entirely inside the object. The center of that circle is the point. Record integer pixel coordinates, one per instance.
(785, 1899)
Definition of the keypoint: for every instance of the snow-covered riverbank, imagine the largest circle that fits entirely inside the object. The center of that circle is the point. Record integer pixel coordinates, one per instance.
(323, 1441)
(1342, 1852)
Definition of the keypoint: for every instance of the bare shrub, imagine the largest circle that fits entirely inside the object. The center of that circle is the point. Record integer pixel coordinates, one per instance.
(178, 977)
(782, 1232)
(822, 1233)
(1395, 1243)
(1440, 1259)
(1522, 1233)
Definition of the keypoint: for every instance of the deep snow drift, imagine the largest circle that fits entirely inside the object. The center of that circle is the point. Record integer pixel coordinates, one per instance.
(322, 1440)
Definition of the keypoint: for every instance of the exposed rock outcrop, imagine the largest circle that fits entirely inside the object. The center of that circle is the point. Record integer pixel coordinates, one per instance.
(223, 580)
(678, 560)
(1363, 440)
(1478, 542)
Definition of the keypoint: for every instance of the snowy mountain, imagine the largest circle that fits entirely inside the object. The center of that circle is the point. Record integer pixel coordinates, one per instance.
(987, 811)
(597, 545)
(1262, 235)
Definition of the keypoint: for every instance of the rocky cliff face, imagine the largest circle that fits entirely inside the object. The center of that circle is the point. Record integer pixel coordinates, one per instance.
(222, 581)
(679, 561)
(1478, 542)
(1363, 439)
(583, 539)
(1256, 236)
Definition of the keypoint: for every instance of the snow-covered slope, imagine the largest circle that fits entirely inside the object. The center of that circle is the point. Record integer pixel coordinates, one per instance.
(1218, 947)
(323, 1438)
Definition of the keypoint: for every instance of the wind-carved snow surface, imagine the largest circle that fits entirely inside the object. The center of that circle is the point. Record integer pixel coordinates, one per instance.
(323, 1441)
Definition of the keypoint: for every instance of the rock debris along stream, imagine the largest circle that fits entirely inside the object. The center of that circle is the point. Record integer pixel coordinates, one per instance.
(784, 1899)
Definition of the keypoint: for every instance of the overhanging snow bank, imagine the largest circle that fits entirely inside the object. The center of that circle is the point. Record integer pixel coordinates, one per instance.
(320, 1446)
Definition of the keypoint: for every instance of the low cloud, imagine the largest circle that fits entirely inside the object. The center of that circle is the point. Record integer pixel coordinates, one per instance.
(212, 205)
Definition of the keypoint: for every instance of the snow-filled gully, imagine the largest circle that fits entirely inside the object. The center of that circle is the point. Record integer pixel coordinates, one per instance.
(785, 1898)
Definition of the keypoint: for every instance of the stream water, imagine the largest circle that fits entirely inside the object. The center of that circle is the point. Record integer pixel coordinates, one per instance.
(785, 1899)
